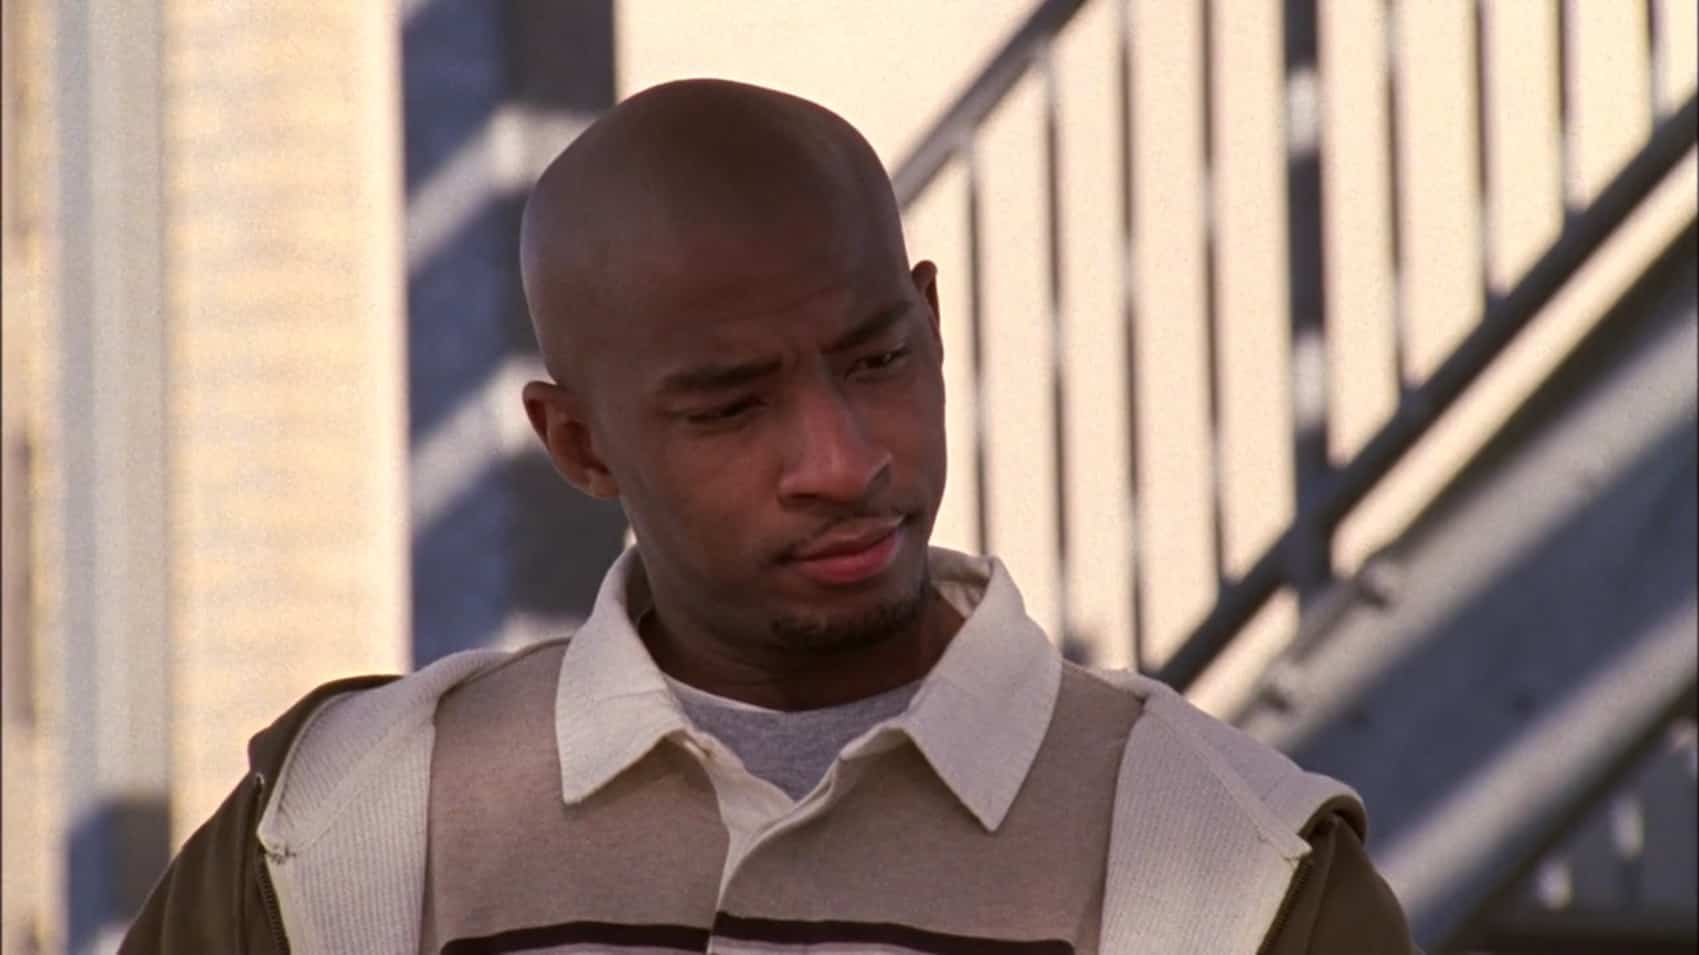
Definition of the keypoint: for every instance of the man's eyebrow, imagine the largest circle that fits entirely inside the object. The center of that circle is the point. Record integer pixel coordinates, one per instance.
(869, 328)
(724, 377)
(713, 377)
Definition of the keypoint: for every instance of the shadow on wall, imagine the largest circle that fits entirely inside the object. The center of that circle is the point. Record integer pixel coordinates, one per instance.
(1544, 611)
(523, 542)
(490, 93)
(130, 829)
(1616, 564)
(1570, 602)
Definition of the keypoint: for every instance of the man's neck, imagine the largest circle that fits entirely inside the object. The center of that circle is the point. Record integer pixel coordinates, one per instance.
(805, 681)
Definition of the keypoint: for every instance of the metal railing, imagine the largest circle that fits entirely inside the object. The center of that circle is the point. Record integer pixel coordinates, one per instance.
(952, 138)
(1640, 722)
(1301, 557)
(1423, 405)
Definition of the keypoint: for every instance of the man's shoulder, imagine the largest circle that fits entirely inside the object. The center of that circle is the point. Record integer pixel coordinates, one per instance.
(1245, 814)
(342, 713)
(350, 729)
(1265, 782)
(511, 696)
(269, 748)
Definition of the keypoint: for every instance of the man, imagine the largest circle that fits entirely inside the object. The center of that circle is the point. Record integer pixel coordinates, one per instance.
(789, 724)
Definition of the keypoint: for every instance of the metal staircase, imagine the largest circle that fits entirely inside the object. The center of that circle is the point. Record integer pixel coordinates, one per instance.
(1509, 692)
(1514, 698)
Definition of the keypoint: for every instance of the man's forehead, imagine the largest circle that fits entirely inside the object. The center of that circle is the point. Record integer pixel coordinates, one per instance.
(731, 283)
(717, 353)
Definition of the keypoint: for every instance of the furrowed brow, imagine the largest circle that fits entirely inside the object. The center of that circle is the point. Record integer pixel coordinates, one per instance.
(869, 329)
(708, 378)
(724, 377)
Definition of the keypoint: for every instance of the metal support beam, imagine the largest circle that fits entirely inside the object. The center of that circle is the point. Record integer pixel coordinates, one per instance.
(1308, 554)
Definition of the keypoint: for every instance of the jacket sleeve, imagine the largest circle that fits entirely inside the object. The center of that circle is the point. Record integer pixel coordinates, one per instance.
(209, 899)
(1343, 906)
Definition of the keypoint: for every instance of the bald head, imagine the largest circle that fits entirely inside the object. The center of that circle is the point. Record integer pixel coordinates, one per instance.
(746, 361)
(685, 182)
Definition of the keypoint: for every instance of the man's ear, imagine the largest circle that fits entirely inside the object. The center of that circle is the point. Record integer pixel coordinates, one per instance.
(925, 276)
(557, 416)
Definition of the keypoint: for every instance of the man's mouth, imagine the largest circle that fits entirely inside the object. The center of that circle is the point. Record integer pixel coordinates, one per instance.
(852, 553)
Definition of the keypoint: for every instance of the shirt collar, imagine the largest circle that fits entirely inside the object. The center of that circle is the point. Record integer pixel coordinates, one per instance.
(979, 717)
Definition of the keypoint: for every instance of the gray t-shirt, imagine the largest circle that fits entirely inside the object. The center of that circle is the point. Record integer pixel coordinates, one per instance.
(790, 749)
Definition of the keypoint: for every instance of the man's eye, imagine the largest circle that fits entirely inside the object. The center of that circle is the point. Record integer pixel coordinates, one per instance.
(723, 414)
(883, 360)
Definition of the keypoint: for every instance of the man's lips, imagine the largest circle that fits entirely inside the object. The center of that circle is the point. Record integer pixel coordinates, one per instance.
(849, 539)
(853, 553)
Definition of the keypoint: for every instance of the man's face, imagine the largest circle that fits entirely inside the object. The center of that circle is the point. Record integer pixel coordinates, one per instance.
(772, 411)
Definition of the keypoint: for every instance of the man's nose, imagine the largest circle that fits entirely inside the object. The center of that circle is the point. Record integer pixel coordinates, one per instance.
(830, 457)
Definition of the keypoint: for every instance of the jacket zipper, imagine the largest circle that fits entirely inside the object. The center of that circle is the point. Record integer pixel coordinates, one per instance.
(1285, 910)
(268, 893)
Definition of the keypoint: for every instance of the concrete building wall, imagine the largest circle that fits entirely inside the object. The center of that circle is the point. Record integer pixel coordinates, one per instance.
(203, 420)
(31, 871)
(289, 528)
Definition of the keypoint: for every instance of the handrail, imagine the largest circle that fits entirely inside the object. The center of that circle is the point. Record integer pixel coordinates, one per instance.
(1330, 493)
(1504, 319)
(970, 109)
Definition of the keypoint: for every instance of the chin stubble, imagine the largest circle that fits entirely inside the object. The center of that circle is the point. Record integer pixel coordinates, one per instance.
(830, 635)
